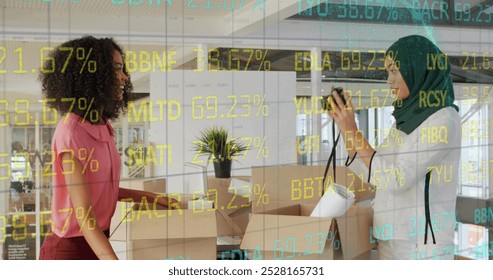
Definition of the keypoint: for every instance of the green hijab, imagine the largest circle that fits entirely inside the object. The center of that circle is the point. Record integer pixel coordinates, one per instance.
(426, 71)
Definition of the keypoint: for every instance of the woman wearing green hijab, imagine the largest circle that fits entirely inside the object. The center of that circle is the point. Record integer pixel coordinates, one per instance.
(415, 176)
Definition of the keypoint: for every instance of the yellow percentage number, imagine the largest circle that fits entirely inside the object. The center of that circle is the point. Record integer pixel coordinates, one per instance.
(81, 214)
(334, 242)
(3, 229)
(259, 56)
(82, 105)
(47, 111)
(81, 55)
(258, 143)
(384, 95)
(47, 62)
(394, 56)
(210, 110)
(262, 197)
(93, 163)
(258, 100)
(21, 108)
(19, 223)
(263, 65)
(75, 103)
(397, 137)
(395, 173)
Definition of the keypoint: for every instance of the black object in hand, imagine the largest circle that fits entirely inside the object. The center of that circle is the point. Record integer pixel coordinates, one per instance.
(325, 99)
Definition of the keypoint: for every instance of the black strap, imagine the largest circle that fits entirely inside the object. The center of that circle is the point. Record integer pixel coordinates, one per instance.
(369, 167)
(427, 208)
(332, 157)
(348, 163)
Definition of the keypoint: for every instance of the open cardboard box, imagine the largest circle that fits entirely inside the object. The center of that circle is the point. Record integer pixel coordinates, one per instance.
(230, 218)
(154, 233)
(282, 227)
(279, 186)
(232, 209)
(290, 233)
(157, 185)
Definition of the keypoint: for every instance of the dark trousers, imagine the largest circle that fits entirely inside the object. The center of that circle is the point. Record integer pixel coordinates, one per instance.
(73, 248)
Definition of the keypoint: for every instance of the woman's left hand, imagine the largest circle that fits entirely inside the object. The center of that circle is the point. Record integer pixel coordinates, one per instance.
(342, 114)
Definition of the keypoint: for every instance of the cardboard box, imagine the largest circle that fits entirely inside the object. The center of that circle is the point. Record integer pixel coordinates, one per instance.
(232, 209)
(157, 233)
(231, 225)
(282, 228)
(119, 232)
(231, 214)
(118, 229)
(279, 186)
(289, 233)
(156, 185)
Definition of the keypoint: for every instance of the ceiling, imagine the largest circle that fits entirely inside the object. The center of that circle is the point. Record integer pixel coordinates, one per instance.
(251, 35)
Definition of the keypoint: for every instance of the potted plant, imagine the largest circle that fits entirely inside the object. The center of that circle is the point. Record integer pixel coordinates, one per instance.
(214, 141)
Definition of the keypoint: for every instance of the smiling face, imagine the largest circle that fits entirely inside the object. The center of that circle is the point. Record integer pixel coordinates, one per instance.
(395, 80)
(120, 75)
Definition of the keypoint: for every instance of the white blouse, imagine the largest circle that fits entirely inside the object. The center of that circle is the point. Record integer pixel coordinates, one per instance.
(398, 171)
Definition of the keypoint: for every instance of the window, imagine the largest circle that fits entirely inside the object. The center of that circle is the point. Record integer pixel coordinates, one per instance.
(384, 120)
(135, 154)
(472, 240)
(474, 162)
(309, 142)
(303, 128)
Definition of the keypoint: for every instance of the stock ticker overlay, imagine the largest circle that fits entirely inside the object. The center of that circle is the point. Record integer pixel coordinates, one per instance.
(253, 106)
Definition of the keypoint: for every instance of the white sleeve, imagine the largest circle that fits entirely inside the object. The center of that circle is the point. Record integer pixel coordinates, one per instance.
(414, 155)
(359, 168)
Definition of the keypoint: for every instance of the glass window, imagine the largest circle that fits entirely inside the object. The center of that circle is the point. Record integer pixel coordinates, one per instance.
(304, 157)
(474, 176)
(20, 219)
(135, 154)
(472, 241)
(474, 162)
(384, 120)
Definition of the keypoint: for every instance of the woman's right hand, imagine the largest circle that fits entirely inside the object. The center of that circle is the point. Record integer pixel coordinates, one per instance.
(167, 201)
(78, 190)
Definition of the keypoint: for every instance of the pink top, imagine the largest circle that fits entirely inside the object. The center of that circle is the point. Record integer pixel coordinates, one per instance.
(94, 147)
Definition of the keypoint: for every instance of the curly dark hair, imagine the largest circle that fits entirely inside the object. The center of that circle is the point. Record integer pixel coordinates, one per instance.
(83, 70)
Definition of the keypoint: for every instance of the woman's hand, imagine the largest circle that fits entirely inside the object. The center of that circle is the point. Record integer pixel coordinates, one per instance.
(80, 197)
(342, 114)
(137, 196)
(167, 201)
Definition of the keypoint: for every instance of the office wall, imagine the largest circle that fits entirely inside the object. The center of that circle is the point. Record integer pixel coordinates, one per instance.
(256, 107)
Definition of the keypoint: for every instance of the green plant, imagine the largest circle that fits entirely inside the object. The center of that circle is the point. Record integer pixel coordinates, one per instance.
(214, 141)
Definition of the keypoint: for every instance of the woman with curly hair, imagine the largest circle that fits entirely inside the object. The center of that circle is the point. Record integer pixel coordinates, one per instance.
(87, 164)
